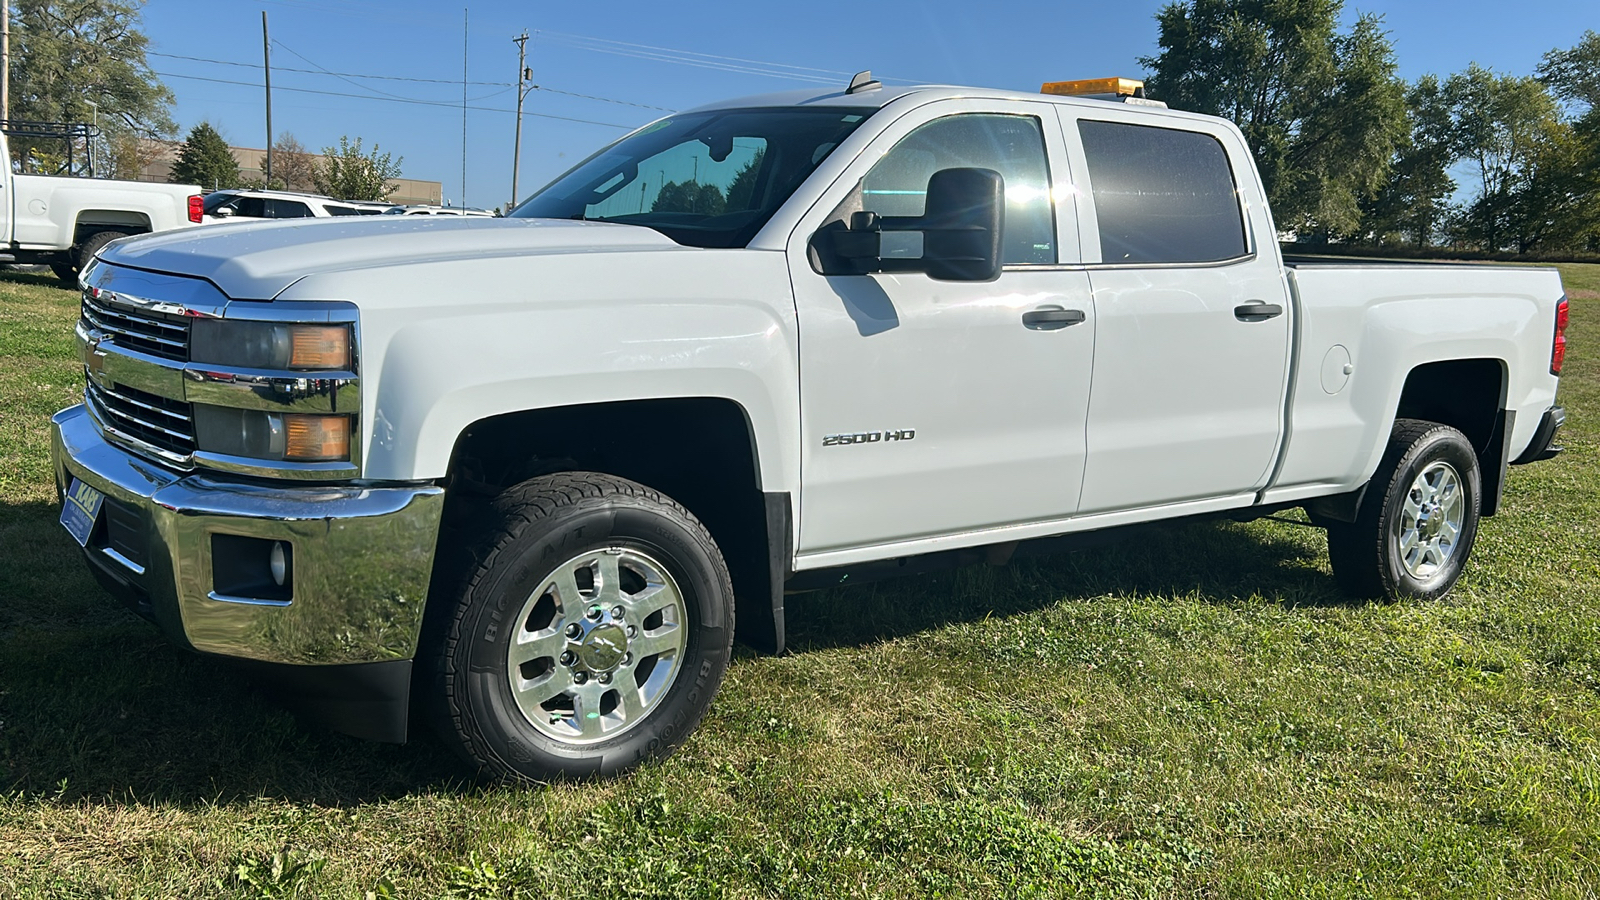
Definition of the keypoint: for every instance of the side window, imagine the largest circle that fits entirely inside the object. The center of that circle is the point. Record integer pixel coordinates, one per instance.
(1011, 145)
(287, 209)
(336, 210)
(1162, 195)
(251, 207)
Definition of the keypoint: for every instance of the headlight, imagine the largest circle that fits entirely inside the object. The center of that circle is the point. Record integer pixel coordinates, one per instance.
(279, 437)
(270, 345)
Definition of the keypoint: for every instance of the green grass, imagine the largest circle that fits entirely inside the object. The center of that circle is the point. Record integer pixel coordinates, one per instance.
(1198, 713)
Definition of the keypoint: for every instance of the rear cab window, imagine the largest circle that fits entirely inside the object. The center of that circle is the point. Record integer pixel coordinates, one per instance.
(1162, 195)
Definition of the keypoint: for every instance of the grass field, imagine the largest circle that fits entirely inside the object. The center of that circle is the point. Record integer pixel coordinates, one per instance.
(1196, 714)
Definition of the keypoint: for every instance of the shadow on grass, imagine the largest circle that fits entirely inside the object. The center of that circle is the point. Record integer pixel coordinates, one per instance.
(95, 704)
(1216, 562)
(42, 278)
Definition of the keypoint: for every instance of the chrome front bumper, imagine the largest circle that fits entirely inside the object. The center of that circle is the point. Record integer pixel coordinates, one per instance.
(362, 555)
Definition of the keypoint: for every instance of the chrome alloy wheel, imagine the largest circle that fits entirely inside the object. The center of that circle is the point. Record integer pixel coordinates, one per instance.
(1431, 518)
(597, 645)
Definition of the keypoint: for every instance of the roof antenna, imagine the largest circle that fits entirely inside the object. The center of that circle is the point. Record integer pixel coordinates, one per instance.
(863, 82)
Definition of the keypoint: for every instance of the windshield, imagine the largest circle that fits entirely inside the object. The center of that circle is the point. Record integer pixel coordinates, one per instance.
(708, 179)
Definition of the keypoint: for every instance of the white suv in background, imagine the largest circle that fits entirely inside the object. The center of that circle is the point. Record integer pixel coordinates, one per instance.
(428, 210)
(220, 206)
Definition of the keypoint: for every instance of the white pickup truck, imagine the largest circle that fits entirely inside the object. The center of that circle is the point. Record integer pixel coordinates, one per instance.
(520, 474)
(63, 222)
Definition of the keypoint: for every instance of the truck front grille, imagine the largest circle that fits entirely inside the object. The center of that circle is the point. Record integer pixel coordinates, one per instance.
(140, 330)
(163, 424)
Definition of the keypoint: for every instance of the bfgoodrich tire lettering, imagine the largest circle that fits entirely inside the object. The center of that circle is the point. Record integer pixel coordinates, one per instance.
(1416, 525)
(588, 590)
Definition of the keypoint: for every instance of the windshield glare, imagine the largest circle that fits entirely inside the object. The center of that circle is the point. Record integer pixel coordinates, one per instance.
(707, 179)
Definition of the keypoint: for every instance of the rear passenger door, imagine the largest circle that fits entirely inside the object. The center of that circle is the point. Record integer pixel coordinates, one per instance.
(1192, 311)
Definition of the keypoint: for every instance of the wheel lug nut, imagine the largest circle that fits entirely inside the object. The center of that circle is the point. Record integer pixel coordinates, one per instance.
(605, 677)
(616, 612)
(580, 677)
(594, 612)
(627, 659)
(632, 631)
(568, 658)
(574, 631)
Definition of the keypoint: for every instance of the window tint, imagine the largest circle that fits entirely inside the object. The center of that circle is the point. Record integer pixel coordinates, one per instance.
(287, 209)
(252, 207)
(1161, 195)
(1010, 145)
(334, 209)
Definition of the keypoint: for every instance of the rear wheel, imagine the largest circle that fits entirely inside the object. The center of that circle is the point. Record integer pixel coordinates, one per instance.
(1416, 525)
(590, 637)
(83, 254)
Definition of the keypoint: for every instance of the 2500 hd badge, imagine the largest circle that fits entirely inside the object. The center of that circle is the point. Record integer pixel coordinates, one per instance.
(869, 437)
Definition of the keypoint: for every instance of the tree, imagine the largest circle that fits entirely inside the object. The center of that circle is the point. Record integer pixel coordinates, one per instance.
(741, 191)
(1503, 125)
(206, 160)
(1574, 74)
(690, 197)
(67, 54)
(1414, 203)
(348, 174)
(292, 166)
(1322, 111)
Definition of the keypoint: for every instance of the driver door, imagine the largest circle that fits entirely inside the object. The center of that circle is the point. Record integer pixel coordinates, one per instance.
(934, 409)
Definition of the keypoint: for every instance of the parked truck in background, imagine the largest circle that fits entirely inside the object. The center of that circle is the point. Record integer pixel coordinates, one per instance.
(63, 222)
(531, 476)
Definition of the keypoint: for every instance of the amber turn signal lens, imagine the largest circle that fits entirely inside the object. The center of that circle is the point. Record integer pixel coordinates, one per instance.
(319, 347)
(317, 438)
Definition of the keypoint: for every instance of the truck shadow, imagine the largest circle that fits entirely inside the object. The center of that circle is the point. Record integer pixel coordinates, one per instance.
(95, 704)
(42, 278)
(1215, 562)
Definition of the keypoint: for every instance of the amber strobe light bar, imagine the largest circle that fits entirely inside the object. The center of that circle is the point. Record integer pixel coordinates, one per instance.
(1116, 87)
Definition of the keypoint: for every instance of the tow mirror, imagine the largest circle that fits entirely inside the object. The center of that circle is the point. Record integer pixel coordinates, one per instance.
(961, 229)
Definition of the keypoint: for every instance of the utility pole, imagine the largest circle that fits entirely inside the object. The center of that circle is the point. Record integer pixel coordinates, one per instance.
(5, 59)
(266, 60)
(522, 78)
(463, 105)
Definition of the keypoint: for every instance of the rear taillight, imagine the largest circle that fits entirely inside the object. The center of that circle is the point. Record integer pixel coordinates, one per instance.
(197, 209)
(1558, 349)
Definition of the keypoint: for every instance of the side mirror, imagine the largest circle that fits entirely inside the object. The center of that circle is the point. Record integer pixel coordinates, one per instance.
(222, 212)
(961, 229)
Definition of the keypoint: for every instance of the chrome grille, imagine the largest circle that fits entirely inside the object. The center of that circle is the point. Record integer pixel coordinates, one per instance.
(140, 330)
(163, 424)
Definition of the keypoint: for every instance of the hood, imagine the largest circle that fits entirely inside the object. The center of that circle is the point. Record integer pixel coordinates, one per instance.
(258, 260)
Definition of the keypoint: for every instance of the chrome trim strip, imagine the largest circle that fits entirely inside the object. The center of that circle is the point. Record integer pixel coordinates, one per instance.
(296, 471)
(128, 563)
(247, 601)
(308, 392)
(1212, 264)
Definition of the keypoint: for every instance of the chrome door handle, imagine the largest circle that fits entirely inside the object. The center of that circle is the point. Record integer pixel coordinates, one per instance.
(1051, 318)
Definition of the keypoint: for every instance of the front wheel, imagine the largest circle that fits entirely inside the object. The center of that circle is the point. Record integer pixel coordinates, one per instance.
(1416, 525)
(592, 634)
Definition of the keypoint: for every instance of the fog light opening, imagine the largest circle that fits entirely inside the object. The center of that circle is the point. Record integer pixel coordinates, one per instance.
(278, 562)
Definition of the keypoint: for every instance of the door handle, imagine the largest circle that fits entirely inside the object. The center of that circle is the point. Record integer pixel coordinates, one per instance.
(1051, 318)
(1256, 311)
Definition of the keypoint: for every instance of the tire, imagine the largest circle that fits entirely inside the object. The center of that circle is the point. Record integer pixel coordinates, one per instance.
(537, 676)
(87, 248)
(1416, 525)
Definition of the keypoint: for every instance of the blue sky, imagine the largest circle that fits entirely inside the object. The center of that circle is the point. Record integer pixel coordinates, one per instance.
(628, 59)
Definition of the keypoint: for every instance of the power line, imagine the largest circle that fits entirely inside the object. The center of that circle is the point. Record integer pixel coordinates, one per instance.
(348, 75)
(243, 65)
(448, 104)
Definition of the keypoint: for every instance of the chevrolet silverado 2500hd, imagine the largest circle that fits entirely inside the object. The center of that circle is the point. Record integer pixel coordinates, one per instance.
(520, 474)
(63, 222)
